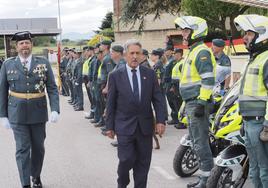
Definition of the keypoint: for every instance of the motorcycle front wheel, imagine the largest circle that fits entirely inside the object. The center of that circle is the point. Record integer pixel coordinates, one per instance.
(221, 177)
(185, 162)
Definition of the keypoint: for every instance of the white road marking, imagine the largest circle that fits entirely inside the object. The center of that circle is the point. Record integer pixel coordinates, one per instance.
(163, 172)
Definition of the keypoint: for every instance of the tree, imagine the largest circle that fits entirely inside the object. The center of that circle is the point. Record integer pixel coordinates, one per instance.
(215, 12)
(107, 21)
(136, 10)
(106, 31)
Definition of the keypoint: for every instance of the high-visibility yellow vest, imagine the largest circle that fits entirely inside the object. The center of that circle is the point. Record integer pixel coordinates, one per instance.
(190, 77)
(99, 71)
(176, 72)
(253, 93)
(86, 67)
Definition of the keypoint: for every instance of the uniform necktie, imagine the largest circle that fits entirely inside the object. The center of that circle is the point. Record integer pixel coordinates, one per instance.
(24, 64)
(135, 84)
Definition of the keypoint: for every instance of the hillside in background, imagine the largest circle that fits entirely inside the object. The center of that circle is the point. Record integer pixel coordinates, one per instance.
(74, 36)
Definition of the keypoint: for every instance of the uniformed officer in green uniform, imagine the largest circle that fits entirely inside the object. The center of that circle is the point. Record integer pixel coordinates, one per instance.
(106, 67)
(69, 75)
(171, 98)
(88, 52)
(158, 67)
(144, 58)
(78, 81)
(93, 78)
(117, 57)
(23, 106)
(196, 85)
(63, 65)
(223, 67)
(253, 96)
(175, 83)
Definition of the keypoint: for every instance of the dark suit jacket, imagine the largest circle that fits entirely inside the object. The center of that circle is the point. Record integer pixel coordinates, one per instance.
(38, 79)
(123, 113)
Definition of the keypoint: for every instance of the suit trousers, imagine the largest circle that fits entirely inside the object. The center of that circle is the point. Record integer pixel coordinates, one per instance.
(134, 152)
(30, 150)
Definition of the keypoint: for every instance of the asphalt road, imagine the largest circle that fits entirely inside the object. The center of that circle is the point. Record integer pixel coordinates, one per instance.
(79, 156)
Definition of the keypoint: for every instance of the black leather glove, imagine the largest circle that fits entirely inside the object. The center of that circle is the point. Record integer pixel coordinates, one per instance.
(199, 110)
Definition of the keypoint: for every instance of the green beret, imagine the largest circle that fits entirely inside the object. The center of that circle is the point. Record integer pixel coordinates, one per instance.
(145, 52)
(106, 42)
(78, 51)
(178, 50)
(159, 52)
(85, 48)
(169, 47)
(90, 48)
(118, 48)
(218, 42)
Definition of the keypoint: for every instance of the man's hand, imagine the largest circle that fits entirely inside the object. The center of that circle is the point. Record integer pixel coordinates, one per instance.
(160, 129)
(172, 89)
(105, 91)
(54, 117)
(110, 134)
(5, 122)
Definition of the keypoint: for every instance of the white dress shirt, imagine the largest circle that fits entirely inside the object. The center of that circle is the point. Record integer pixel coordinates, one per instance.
(129, 73)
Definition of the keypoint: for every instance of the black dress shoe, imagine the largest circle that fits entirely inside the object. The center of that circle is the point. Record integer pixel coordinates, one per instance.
(79, 109)
(180, 126)
(26, 186)
(37, 183)
(114, 143)
(172, 122)
(89, 116)
(103, 128)
(103, 132)
(94, 121)
(99, 124)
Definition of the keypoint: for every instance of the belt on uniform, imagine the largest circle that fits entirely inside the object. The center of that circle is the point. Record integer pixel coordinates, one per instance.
(247, 118)
(190, 99)
(27, 95)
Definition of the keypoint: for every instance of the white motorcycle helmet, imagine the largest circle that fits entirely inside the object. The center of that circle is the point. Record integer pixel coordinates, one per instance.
(196, 24)
(257, 24)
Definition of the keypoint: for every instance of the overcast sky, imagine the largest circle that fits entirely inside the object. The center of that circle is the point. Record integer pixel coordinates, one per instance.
(80, 16)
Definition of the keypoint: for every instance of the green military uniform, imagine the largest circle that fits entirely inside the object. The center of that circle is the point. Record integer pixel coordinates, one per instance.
(78, 81)
(23, 101)
(253, 96)
(69, 77)
(175, 84)
(63, 65)
(171, 97)
(196, 86)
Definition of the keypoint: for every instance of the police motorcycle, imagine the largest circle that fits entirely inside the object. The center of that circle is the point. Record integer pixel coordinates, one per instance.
(232, 164)
(224, 119)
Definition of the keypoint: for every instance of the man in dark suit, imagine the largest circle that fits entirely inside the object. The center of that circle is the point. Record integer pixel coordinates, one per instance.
(23, 106)
(131, 91)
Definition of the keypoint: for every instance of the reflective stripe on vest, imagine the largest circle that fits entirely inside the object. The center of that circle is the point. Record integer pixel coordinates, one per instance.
(190, 75)
(99, 71)
(252, 82)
